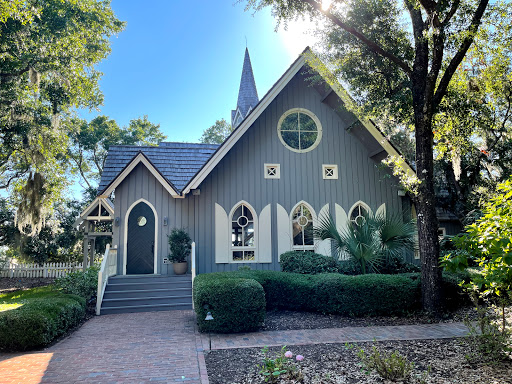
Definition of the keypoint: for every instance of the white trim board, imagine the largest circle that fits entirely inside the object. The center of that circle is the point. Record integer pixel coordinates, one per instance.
(125, 242)
(265, 102)
(141, 158)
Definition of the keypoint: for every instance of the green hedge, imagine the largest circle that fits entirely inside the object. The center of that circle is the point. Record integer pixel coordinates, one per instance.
(339, 294)
(237, 304)
(333, 293)
(307, 263)
(44, 315)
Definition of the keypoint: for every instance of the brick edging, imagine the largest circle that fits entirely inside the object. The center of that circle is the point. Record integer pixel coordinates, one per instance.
(203, 373)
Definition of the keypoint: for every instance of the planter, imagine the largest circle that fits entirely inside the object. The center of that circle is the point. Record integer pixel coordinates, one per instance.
(180, 268)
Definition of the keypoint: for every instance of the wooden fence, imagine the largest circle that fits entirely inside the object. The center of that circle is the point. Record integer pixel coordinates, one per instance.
(35, 270)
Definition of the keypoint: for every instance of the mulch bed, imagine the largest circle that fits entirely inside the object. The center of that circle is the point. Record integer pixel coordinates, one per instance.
(339, 363)
(285, 320)
(8, 284)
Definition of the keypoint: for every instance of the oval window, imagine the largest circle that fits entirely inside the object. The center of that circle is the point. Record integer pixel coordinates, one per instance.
(299, 130)
(141, 221)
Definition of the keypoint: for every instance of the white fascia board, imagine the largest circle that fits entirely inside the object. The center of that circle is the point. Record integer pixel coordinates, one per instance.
(140, 158)
(239, 132)
(374, 131)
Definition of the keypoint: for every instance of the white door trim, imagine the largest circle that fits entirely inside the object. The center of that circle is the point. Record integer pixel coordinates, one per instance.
(125, 253)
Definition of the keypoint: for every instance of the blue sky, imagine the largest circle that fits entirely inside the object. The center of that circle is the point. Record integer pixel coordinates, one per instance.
(180, 62)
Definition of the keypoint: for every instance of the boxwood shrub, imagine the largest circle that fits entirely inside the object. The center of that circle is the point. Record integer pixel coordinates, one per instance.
(44, 315)
(237, 304)
(307, 263)
(333, 293)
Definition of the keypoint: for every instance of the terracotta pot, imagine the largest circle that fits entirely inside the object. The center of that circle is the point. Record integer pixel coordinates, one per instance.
(180, 268)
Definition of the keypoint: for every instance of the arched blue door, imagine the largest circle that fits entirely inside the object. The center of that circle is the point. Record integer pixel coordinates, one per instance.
(140, 257)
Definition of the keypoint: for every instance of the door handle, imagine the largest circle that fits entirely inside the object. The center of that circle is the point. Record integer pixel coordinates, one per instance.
(153, 247)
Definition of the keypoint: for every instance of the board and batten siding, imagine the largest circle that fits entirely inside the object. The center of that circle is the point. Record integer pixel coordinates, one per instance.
(141, 184)
(240, 174)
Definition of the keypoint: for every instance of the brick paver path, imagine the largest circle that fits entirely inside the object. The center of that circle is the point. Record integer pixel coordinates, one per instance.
(127, 348)
(166, 347)
(336, 335)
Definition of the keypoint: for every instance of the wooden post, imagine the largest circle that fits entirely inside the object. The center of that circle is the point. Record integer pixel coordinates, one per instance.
(93, 249)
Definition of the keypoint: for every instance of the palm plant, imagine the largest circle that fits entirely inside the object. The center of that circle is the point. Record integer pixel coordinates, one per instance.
(371, 242)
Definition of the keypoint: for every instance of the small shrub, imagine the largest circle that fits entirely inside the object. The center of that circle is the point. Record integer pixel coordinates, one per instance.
(44, 315)
(179, 245)
(488, 343)
(279, 367)
(392, 366)
(236, 304)
(307, 263)
(80, 283)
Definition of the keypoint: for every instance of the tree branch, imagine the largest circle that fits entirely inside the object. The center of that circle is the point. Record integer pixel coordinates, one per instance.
(457, 59)
(449, 15)
(14, 74)
(370, 44)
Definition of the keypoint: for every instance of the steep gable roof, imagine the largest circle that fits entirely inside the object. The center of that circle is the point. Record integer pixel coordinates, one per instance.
(365, 129)
(176, 162)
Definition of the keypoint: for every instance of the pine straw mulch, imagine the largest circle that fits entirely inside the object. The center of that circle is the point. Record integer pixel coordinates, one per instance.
(280, 320)
(339, 363)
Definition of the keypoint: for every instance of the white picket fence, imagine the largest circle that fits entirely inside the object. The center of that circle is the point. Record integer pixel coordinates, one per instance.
(35, 270)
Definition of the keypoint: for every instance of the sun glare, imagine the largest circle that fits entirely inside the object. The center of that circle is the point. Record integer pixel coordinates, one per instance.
(326, 4)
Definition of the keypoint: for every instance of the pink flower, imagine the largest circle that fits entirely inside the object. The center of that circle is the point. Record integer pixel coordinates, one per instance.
(300, 357)
(288, 354)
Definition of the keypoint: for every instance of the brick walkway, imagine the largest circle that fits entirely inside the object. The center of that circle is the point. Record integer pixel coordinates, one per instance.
(336, 335)
(166, 347)
(127, 348)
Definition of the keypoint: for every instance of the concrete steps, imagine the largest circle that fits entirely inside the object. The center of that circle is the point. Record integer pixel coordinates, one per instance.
(147, 293)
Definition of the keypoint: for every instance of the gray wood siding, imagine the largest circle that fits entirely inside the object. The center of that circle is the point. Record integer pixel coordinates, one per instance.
(141, 184)
(239, 176)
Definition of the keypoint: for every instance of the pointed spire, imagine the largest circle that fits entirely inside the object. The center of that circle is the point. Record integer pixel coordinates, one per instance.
(247, 94)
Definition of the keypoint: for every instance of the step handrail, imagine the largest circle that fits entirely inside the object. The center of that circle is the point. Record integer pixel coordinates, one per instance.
(193, 268)
(108, 268)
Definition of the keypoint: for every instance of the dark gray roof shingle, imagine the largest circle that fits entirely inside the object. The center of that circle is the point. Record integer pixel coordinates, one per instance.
(177, 162)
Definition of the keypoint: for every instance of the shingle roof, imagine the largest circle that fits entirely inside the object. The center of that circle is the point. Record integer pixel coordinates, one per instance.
(247, 94)
(177, 162)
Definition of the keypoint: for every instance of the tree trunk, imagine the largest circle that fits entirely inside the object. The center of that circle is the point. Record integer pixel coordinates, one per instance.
(431, 281)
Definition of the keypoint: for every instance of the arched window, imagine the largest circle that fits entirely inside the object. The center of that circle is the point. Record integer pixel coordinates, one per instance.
(359, 212)
(243, 233)
(302, 218)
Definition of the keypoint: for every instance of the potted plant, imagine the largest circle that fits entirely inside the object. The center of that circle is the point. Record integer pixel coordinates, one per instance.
(179, 245)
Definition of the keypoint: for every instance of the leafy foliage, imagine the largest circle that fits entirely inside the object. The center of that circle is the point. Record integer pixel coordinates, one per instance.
(390, 366)
(180, 244)
(39, 315)
(80, 283)
(237, 304)
(90, 142)
(275, 368)
(307, 263)
(217, 133)
(489, 243)
(49, 52)
(375, 241)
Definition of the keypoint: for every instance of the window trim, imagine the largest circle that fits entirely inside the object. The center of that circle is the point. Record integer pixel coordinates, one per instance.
(278, 171)
(233, 248)
(306, 112)
(314, 217)
(335, 171)
(363, 204)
